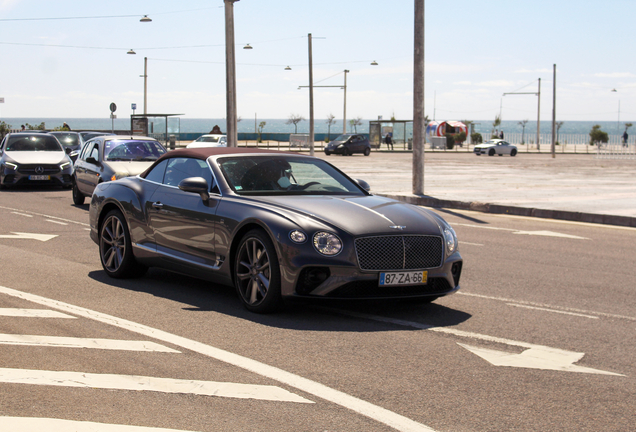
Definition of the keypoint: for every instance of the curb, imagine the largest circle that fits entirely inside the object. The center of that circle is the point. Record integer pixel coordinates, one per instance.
(427, 201)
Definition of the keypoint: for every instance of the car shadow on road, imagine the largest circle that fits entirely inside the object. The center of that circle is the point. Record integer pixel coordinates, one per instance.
(202, 297)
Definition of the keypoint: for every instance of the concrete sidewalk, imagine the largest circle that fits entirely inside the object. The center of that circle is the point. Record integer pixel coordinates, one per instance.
(569, 187)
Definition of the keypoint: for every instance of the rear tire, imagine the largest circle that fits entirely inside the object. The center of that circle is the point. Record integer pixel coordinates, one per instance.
(78, 197)
(115, 248)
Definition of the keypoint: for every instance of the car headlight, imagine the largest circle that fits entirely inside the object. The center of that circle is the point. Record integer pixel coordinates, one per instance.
(297, 236)
(340, 146)
(450, 238)
(327, 243)
(11, 166)
(65, 165)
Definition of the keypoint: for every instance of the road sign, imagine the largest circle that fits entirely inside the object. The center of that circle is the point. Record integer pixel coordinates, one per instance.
(113, 107)
(133, 106)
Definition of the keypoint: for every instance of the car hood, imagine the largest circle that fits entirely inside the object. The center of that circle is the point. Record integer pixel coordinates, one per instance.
(358, 215)
(484, 145)
(129, 168)
(37, 157)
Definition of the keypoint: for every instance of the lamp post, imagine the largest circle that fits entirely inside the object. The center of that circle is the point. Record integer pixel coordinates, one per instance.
(619, 114)
(344, 115)
(230, 74)
(419, 124)
(145, 76)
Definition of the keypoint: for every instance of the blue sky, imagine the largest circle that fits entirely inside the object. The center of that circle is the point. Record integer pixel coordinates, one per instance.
(475, 51)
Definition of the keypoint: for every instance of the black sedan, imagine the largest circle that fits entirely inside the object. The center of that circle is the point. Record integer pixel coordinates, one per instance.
(348, 144)
(274, 225)
(111, 157)
(71, 141)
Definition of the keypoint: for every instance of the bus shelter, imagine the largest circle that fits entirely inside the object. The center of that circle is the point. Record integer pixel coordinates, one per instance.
(158, 126)
(401, 133)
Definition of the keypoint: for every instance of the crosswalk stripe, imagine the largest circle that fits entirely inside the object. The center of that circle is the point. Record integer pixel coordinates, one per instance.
(72, 342)
(33, 313)
(146, 383)
(39, 424)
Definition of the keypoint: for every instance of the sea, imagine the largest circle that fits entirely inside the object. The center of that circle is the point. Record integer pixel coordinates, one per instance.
(201, 125)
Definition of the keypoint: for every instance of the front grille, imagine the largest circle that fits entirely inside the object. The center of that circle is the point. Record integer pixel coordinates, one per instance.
(370, 289)
(407, 252)
(32, 169)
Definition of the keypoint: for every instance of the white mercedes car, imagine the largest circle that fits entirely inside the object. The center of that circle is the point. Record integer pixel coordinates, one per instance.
(495, 147)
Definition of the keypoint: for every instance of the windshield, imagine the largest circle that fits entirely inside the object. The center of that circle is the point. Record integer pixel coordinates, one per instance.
(285, 175)
(132, 150)
(68, 139)
(343, 138)
(33, 143)
(212, 139)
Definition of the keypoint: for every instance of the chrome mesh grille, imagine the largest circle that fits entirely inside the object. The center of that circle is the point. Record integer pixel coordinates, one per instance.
(408, 252)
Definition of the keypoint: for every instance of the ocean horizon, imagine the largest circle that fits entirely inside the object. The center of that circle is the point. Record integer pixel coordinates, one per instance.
(200, 125)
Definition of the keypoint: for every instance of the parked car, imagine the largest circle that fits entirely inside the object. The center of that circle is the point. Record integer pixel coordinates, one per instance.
(111, 157)
(209, 140)
(69, 140)
(348, 144)
(34, 158)
(495, 147)
(275, 225)
(87, 135)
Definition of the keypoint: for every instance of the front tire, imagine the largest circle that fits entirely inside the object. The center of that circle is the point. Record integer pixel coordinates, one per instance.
(78, 197)
(491, 152)
(257, 273)
(513, 152)
(115, 248)
(367, 151)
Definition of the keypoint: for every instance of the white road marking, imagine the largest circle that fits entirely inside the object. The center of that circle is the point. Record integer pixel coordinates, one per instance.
(546, 357)
(550, 234)
(507, 300)
(28, 236)
(146, 383)
(22, 214)
(72, 342)
(33, 313)
(539, 357)
(516, 231)
(472, 244)
(39, 424)
(355, 404)
(552, 310)
(56, 222)
(44, 215)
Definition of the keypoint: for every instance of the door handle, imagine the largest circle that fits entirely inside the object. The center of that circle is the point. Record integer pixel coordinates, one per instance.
(157, 205)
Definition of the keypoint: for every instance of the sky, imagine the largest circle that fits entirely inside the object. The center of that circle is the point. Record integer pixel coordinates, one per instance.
(474, 52)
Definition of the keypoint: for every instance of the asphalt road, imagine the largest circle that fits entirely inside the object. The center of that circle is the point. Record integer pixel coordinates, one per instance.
(542, 336)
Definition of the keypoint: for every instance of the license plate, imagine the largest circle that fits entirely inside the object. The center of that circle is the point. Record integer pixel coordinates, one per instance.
(39, 177)
(403, 278)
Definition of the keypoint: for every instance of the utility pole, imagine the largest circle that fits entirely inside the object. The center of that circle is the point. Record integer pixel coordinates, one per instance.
(230, 74)
(344, 115)
(419, 126)
(145, 85)
(553, 107)
(538, 117)
(311, 99)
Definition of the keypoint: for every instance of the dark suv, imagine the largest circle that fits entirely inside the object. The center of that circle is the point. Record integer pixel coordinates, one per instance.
(348, 144)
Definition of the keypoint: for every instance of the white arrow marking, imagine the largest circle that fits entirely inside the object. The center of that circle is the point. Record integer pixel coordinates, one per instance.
(146, 383)
(33, 313)
(19, 235)
(550, 234)
(536, 358)
(31, 424)
(72, 342)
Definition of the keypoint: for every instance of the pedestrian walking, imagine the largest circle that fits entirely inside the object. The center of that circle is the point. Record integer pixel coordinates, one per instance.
(625, 136)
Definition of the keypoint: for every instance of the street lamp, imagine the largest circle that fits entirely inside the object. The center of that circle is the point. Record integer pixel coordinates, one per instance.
(619, 113)
(132, 51)
(145, 19)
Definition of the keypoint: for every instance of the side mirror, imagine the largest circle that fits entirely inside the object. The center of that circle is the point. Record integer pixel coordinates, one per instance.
(364, 185)
(67, 150)
(196, 185)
